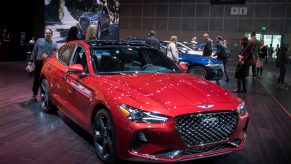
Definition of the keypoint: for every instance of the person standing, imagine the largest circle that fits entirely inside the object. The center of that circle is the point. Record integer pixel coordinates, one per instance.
(31, 44)
(255, 47)
(153, 41)
(116, 7)
(221, 54)
(91, 33)
(73, 34)
(245, 59)
(262, 55)
(270, 52)
(226, 48)
(282, 59)
(207, 51)
(44, 48)
(172, 51)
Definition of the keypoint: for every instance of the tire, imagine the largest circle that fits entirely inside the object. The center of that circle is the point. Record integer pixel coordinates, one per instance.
(104, 137)
(45, 102)
(198, 71)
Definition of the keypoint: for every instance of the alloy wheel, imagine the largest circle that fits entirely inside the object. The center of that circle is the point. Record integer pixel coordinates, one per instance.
(198, 71)
(104, 136)
(44, 95)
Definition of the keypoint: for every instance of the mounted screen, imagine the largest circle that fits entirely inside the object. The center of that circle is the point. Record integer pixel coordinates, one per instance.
(61, 15)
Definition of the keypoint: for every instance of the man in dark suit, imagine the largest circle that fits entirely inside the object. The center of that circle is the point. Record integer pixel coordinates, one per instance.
(207, 51)
(153, 41)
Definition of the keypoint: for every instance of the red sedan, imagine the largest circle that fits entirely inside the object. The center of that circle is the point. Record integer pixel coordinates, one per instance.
(139, 105)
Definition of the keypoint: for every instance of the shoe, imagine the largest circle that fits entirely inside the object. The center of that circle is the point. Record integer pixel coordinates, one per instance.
(236, 91)
(33, 98)
(278, 85)
(254, 77)
(244, 91)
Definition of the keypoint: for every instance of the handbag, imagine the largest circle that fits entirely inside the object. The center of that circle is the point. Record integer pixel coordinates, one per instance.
(30, 69)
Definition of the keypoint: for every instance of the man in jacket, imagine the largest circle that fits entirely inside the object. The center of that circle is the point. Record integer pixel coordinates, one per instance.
(207, 51)
(255, 47)
(153, 41)
(44, 48)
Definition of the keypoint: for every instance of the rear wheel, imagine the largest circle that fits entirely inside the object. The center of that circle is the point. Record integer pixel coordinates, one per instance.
(45, 102)
(104, 137)
(198, 71)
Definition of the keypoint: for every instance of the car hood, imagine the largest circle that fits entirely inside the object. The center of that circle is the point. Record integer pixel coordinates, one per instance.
(202, 59)
(165, 90)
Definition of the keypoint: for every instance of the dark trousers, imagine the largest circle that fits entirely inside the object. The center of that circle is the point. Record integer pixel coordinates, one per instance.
(36, 76)
(241, 81)
(281, 79)
(259, 71)
(254, 69)
(225, 71)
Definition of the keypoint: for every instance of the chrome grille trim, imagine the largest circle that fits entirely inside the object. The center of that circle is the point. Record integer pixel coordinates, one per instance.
(206, 128)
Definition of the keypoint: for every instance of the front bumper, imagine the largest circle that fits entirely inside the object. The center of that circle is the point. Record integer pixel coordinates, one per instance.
(162, 143)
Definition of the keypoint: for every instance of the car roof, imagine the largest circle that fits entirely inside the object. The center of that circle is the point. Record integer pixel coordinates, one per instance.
(115, 43)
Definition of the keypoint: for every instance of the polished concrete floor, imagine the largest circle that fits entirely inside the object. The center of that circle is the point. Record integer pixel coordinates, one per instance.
(28, 135)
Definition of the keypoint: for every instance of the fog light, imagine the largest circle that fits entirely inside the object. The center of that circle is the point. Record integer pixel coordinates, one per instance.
(235, 142)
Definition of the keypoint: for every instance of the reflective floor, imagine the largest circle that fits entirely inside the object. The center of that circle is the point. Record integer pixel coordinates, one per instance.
(28, 135)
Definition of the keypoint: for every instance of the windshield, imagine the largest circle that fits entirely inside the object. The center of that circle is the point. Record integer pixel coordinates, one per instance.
(194, 47)
(124, 60)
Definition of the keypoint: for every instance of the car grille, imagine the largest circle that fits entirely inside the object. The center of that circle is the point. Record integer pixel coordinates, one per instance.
(206, 128)
(84, 23)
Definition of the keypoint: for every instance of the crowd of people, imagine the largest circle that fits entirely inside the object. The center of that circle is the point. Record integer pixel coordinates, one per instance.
(253, 53)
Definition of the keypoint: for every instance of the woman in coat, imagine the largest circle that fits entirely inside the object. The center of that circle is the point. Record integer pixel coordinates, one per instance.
(172, 51)
(245, 60)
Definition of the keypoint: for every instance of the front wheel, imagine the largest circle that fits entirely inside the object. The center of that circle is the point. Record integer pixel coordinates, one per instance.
(198, 71)
(104, 137)
(45, 102)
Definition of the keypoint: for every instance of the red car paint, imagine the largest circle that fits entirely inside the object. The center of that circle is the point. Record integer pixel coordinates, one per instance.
(169, 94)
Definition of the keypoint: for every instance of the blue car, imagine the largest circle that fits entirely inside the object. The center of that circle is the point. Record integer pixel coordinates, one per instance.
(205, 67)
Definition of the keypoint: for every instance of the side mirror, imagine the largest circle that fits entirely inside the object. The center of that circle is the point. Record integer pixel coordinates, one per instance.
(183, 67)
(75, 69)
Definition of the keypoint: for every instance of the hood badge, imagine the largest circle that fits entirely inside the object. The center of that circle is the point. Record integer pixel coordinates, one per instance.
(205, 106)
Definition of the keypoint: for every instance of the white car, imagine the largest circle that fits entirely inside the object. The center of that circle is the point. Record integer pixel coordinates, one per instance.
(190, 48)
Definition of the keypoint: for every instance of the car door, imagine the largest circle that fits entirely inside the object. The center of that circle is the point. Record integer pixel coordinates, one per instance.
(78, 94)
(58, 74)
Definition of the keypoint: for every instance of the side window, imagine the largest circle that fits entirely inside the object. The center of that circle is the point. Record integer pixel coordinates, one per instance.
(65, 53)
(80, 58)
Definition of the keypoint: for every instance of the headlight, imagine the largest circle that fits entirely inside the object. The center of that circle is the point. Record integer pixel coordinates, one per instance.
(241, 108)
(137, 115)
(213, 65)
(184, 63)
